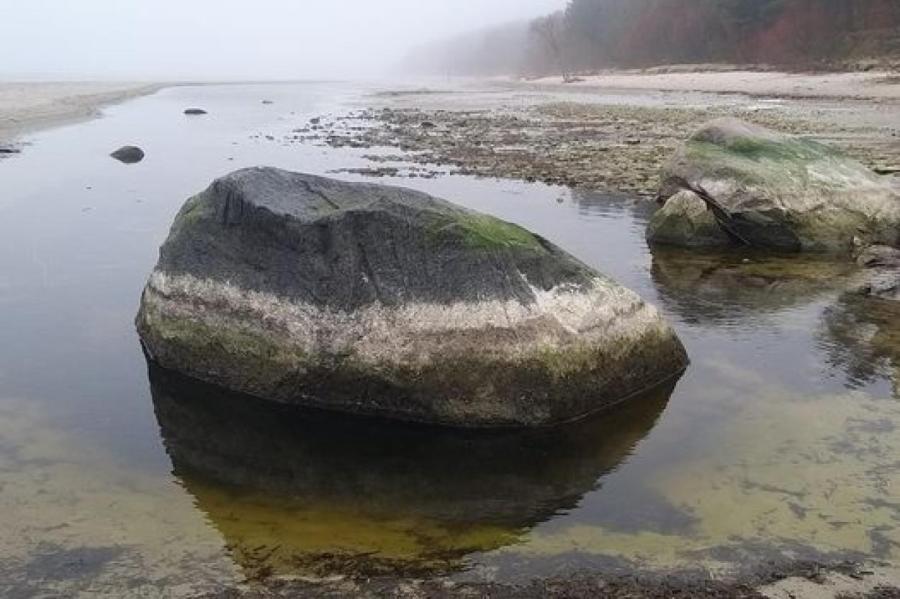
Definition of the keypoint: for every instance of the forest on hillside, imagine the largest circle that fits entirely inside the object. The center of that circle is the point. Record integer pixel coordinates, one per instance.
(596, 34)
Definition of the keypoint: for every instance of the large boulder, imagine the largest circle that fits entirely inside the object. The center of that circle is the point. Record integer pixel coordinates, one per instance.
(389, 302)
(771, 190)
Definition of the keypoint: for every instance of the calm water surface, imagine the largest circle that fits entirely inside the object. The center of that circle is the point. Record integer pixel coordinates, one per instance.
(781, 440)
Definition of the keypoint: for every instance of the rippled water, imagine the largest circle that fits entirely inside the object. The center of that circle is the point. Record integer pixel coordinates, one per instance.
(781, 440)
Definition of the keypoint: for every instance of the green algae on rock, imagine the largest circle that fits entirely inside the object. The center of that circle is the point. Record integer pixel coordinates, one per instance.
(389, 302)
(772, 190)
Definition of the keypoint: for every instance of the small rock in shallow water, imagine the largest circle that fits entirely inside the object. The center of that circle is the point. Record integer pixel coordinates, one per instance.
(194, 111)
(883, 283)
(877, 256)
(128, 154)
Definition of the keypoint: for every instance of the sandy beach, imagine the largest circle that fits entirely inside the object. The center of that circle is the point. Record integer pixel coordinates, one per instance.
(872, 85)
(30, 106)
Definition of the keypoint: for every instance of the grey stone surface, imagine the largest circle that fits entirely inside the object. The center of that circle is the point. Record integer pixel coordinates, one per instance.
(128, 154)
(386, 301)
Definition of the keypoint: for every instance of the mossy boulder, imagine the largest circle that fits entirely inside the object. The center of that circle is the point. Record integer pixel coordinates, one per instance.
(389, 302)
(771, 190)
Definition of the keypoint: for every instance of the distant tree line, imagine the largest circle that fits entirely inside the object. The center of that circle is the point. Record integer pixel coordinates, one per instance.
(648, 32)
(595, 34)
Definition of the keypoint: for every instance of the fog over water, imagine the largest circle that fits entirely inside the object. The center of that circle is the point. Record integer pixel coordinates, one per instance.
(233, 39)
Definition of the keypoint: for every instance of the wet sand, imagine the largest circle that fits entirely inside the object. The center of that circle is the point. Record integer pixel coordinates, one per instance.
(26, 107)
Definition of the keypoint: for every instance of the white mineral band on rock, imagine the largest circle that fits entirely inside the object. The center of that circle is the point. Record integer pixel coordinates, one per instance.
(564, 316)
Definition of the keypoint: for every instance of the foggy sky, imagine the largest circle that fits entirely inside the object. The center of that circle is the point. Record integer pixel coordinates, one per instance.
(233, 39)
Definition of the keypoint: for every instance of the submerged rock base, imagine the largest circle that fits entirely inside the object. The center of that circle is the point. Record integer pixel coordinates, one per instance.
(414, 362)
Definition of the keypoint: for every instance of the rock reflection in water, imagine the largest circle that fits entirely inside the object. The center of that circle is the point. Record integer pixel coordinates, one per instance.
(861, 338)
(717, 287)
(300, 492)
(593, 203)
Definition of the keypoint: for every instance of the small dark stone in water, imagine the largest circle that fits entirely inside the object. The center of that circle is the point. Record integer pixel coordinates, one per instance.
(4, 150)
(195, 111)
(428, 125)
(268, 102)
(316, 120)
(128, 154)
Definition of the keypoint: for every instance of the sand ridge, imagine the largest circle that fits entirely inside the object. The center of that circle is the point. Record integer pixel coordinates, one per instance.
(28, 106)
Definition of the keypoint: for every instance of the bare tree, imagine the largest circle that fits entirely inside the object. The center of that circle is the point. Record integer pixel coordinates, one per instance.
(550, 30)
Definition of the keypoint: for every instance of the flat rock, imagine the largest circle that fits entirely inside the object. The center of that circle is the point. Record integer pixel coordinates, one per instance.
(386, 301)
(194, 111)
(771, 190)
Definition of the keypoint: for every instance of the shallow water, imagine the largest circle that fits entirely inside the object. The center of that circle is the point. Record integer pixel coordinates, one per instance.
(781, 440)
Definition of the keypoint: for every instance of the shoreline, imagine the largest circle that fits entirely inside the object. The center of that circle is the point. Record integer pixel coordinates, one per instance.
(591, 137)
(802, 580)
(880, 86)
(27, 107)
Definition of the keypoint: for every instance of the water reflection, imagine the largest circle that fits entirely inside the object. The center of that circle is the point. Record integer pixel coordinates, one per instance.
(721, 287)
(860, 337)
(593, 203)
(309, 492)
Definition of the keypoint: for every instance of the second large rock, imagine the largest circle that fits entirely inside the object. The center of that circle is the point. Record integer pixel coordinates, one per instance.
(735, 182)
